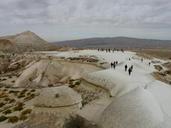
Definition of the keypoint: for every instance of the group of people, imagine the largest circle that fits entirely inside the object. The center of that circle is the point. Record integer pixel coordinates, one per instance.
(113, 64)
(109, 50)
(130, 69)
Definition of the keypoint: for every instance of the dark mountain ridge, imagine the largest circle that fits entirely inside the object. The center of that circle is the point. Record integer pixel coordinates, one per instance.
(117, 42)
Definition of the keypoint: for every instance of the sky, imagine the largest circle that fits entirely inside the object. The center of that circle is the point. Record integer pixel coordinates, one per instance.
(57, 20)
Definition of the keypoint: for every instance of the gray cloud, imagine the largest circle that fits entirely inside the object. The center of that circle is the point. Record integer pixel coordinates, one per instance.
(118, 13)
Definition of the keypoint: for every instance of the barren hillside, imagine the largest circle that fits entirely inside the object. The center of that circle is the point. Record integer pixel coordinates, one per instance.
(25, 41)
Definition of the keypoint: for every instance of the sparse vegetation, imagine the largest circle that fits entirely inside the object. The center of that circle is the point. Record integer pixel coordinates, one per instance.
(25, 112)
(29, 97)
(33, 90)
(13, 119)
(23, 117)
(18, 107)
(3, 118)
(8, 111)
(2, 104)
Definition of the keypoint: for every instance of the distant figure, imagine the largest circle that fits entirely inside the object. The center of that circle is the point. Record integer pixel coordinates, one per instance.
(131, 67)
(126, 67)
(149, 63)
(129, 59)
(129, 71)
(114, 64)
(141, 59)
(111, 64)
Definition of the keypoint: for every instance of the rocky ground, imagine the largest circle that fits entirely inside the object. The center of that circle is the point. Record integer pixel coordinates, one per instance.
(17, 104)
(87, 74)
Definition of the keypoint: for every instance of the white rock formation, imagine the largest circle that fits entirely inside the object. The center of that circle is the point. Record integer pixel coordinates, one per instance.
(61, 96)
(137, 109)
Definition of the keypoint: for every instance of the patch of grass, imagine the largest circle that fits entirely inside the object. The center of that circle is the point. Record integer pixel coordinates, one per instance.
(2, 104)
(3, 118)
(8, 111)
(29, 93)
(77, 82)
(33, 90)
(25, 112)
(18, 107)
(5, 90)
(20, 96)
(14, 92)
(9, 76)
(13, 81)
(3, 94)
(13, 119)
(50, 85)
(7, 99)
(12, 100)
(23, 117)
(29, 97)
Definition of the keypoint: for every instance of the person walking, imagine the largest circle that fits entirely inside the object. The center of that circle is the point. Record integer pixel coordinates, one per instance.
(141, 59)
(126, 67)
(129, 71)
(111, 64)
(131, 67)
(149, 63)
(114, 64)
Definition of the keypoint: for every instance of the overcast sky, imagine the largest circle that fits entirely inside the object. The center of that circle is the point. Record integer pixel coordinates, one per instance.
(57, 20)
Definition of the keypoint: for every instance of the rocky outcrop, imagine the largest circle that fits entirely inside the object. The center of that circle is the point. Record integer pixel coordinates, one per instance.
(62, 96)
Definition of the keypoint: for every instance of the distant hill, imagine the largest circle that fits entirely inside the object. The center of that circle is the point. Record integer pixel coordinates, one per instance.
(6, 44)
(25, 41)
(116, 42)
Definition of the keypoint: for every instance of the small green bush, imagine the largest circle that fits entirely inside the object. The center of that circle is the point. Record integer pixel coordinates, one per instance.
(13, 119)
(77, 83)
(3, 118)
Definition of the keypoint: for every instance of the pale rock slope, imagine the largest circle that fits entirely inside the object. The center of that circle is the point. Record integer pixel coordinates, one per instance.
(61, 96)
(47, 72)
(137, 109)
(140, 101)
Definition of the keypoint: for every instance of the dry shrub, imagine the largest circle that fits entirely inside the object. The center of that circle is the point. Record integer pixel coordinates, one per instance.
(23, 117)
(3, 118)
(18, 107)
(2, 104)
(8, 111)
(29, 97)
(13, 119)
(25, 112)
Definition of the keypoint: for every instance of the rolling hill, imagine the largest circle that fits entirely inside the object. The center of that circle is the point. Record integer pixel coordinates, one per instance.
(116, 42)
